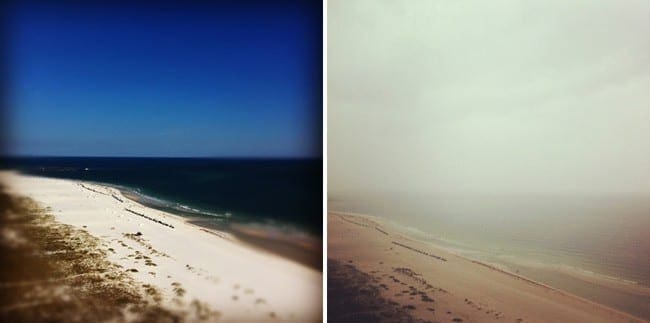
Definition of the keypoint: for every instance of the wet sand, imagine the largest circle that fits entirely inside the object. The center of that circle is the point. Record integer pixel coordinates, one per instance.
(432, 284)
(305, 251)
(300, 247)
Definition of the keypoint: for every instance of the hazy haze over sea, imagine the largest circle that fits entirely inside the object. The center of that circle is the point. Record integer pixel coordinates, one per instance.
(515, 131)
(606, 235)
(487, 114)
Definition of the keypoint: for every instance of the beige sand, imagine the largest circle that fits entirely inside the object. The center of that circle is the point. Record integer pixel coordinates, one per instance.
(185, 262)
(442, 286)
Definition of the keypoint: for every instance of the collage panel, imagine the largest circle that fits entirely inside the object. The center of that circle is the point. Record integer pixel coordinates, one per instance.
(487, 161)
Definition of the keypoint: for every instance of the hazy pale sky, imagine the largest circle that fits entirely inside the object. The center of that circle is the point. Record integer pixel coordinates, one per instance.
(489, 96)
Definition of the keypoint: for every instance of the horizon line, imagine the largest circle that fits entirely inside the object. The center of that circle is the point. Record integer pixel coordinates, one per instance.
(169, 157)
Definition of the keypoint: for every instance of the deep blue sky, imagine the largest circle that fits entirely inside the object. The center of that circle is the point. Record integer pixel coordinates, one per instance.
(237, 80)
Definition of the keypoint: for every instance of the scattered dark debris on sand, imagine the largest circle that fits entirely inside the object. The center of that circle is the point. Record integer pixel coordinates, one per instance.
(480, 307)
(149, 218)
(138, 237)
(92, 190)
(354, 296)
(530, 281)
(180, 292)
(380, 230)
(202, 311)
(419, 251)
(416, 277)
(53, 272)
(346, 219)
(58, 273)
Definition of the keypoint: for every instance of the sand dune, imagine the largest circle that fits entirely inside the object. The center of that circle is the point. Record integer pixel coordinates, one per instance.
(415, 281)
(186, 263)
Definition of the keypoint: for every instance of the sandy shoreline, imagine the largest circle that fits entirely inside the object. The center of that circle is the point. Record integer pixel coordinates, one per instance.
(184, 261)
(299, 247)
(432, 284)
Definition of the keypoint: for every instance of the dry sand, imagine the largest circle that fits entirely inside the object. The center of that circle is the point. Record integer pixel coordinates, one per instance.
(184, 262)
(408, 280)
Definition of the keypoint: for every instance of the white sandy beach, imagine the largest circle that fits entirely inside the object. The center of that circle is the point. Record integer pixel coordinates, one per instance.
(185, 262)
(433, 284)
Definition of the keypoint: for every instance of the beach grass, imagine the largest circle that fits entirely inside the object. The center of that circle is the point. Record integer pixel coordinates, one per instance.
(56, 272)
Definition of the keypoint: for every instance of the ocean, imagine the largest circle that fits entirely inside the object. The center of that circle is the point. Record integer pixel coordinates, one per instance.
(597, 247)
(281, 198)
